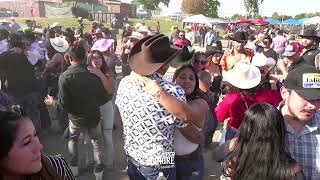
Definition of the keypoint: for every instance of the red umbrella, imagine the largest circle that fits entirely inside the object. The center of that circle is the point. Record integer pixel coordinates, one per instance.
(243, 20)
(259, 22)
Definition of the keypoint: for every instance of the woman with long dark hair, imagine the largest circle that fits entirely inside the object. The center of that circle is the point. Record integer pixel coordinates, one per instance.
(259, 152)
(189, 158)
(98, 66)
(21, 154)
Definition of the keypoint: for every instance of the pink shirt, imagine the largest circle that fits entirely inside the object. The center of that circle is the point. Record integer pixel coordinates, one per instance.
(279, 44)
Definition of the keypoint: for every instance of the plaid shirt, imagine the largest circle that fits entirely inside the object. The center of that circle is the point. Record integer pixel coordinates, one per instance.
(305, 147)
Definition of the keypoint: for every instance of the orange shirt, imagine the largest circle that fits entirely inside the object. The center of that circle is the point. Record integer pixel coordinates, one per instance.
(229, 59)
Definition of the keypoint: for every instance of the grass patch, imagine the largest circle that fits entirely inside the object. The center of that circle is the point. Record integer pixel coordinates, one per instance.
(165, 25)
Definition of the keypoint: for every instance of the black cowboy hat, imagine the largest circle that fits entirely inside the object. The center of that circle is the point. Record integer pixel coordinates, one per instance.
(151, 53)
(212, 50)
(310, 33)
(239, 36)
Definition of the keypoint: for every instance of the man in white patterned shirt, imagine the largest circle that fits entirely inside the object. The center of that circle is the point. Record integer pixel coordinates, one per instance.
(300, 109)
(148, 125)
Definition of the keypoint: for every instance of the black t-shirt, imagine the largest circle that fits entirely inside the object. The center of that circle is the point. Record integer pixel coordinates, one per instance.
(19, 73)
(309, 56)
(271, 53)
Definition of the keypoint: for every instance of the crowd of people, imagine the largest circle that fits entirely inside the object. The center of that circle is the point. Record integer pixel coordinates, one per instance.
(264, 91)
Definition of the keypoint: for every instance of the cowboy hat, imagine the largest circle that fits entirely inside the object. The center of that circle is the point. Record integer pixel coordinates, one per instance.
(173, 27)
(244, 76)
(211, 50)
(4, 21)
(144, 29)
(151, 53)
(38, 30)
(59, 44)
(137, 25)
(188, 27)
(55, 24)
(260, 60)
(102, 45)
(136, 35)
(127, 25)
(239, 36)
(79, 18)
(311, 34)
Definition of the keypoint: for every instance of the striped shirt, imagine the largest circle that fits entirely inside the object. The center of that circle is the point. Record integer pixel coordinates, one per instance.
(61, 166)
(305, 147)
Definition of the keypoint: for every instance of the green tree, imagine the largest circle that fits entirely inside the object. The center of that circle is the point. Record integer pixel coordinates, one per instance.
(300, 16)
(206, 7)
(285, 17)
(252, 7)
(193, 6)
(237, 16)
(151, 4)
(276, 16)
(212, 8)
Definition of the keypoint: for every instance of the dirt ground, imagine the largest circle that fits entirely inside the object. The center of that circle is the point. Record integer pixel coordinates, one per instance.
(54, 143)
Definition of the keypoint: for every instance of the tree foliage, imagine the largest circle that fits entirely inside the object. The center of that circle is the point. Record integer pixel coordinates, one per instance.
(306, 15)
(237, 16)
(212, 7)
(193, 6)
(151, 4)
(252, 7)
(206, 7)
(276, 16)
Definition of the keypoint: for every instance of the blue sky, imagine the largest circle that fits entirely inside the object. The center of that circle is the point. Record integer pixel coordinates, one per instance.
(230, 7)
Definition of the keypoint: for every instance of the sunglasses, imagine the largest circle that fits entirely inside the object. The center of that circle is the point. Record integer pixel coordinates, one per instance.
(201, 62)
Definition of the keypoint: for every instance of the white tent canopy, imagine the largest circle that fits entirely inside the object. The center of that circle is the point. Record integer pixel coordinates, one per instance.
(313, 20)
(219, 21)
(198, 19)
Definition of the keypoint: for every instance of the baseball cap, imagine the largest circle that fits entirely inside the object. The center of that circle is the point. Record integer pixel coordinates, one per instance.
(290, 50)
(305, 81)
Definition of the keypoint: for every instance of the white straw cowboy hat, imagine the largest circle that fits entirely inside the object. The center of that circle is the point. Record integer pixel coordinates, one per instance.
(59, 44)
(55, 24)
(244, 76)
(136, 35)
(260, 60)
(38, 30)
(144, 29)
(137, 25)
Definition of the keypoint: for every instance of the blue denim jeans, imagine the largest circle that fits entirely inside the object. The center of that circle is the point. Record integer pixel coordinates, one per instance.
(227, 135)
(191, 169)
(137, 171)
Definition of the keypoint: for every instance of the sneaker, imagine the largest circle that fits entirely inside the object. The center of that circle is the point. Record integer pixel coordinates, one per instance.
(75, 170)
(98, 171)
(98, 175)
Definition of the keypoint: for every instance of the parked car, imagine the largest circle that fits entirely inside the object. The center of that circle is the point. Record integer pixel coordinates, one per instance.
(4, 12)
(177, 16)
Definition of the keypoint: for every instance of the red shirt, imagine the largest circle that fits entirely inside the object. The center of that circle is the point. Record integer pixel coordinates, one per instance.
(233, 106)
(270, 96)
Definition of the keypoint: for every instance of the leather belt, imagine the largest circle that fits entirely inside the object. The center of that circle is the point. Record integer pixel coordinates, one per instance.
(191, 156)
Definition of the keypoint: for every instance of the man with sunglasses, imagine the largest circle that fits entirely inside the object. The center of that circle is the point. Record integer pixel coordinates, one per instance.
(267, 50)
(310, 53)
(237, 53)
(291, 61)
(182, 36)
